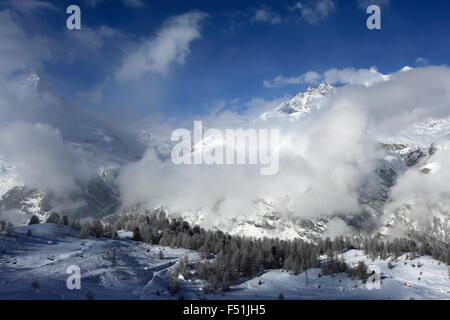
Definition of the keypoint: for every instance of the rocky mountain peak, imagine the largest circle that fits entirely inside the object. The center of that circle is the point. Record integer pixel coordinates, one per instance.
(303, 103)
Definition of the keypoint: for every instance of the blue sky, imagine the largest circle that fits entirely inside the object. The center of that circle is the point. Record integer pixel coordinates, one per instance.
(211, 53)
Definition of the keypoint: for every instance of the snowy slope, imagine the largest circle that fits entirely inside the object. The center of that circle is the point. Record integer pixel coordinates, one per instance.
(46, 255)
(434, 282)
(139, 272)
(265, 222)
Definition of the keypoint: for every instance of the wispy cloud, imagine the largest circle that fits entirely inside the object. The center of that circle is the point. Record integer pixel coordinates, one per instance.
(420, 61)
(266, 14)
(315, 11)
(19, 49)
(94, 38)
(331, 76)
(310, 77)
(354, 76)
(170, 45)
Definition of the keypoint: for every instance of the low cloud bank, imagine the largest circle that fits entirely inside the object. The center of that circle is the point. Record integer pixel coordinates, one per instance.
(42, 159)
(324, 159)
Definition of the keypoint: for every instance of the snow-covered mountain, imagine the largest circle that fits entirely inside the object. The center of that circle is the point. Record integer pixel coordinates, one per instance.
(81, 127)
(303, 103)
(80, 130)
(413, 149)
(265, 222)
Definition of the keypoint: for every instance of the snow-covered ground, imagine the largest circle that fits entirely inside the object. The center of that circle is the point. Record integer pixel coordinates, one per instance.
(140, 273)
(401, 282)
(46, 254)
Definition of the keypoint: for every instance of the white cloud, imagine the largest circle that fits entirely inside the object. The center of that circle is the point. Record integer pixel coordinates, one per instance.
(315, 11)
(332, 76)
(19, 49)
(354, 76)
(266, 14)
(336, 227)
(23, 47)
(29, 115)
(321, 166)
(42, 159)
(93, 38)
(310, 77)
(170, 45)
(423, 193)
(324, 161)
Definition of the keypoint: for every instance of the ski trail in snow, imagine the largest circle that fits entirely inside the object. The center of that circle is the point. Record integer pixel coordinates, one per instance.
(155, 273)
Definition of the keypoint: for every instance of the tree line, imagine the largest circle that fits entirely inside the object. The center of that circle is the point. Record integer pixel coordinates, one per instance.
(225, 259)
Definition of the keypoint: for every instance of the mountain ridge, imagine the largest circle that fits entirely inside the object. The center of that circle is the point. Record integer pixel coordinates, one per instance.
(409, 151)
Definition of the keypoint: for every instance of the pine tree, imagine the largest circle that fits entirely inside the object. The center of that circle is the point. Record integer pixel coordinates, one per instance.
(235, 261)
(260, 262)
(297, 266)
(65, 220)
(53, 218)
(34, 220)
(136, 234)
(97, 228)
(288, 263)
(9, 229)
(226, 281)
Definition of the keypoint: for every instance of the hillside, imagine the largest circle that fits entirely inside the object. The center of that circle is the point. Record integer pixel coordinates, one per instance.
(140, 273)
